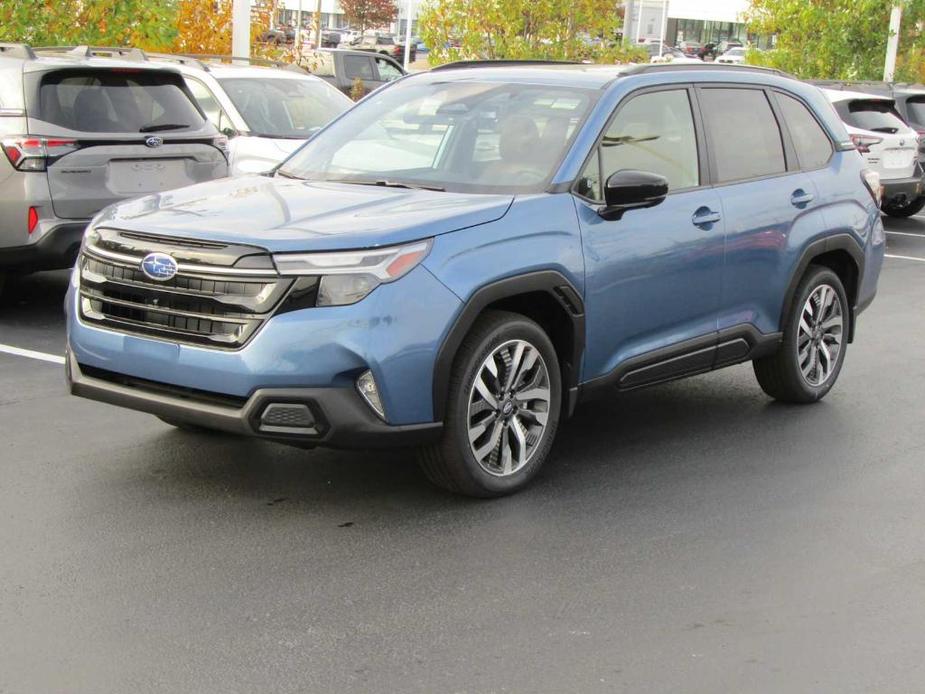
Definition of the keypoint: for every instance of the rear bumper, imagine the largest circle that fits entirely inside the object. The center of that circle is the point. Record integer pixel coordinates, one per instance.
(908, 188)
(338, 416)
(57, 249)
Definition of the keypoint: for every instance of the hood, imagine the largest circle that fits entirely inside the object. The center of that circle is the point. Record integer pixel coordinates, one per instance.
(288, 215)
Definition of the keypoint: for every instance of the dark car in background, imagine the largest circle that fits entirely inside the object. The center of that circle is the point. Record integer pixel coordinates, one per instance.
(342, 67)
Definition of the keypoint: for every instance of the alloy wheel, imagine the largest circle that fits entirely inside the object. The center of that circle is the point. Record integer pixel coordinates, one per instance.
(820, 334)
(508, 407)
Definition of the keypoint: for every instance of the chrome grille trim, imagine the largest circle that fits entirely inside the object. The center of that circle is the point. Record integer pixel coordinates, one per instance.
(213, 306)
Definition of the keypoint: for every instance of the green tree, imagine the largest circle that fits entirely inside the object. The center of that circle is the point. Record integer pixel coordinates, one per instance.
(523, 29)
(837, 39)
(150, 24)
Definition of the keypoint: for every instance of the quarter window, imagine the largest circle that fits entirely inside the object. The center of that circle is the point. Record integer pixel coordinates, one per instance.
(809, 139)
(743, 134)
(652, 132)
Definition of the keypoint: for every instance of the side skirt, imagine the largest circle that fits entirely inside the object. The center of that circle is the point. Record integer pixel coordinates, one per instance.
(724, 348)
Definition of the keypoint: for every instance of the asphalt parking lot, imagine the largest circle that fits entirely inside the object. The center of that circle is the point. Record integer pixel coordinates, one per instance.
(693, 537)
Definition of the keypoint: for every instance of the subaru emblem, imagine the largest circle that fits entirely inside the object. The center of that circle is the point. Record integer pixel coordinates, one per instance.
(154, 141)
(159, 266)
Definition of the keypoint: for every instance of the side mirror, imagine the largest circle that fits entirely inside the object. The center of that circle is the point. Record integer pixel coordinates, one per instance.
(629, 189)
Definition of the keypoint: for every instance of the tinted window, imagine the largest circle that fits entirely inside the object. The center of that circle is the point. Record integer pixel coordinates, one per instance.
(876, 115)
(284, 107)
(358, 66)
(743, 134)
(104, 101)
(387, 71)
(916, 108)
(652, 132)
(809, 139)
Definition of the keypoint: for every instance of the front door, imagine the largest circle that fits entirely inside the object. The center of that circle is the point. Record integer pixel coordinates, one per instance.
(653, 277)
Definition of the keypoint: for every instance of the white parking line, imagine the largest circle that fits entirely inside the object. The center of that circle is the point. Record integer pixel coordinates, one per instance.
(905, 257)
(31, 354)
(906, 233)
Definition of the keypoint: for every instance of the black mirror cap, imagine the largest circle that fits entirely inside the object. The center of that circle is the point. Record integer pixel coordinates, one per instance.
(630, 189)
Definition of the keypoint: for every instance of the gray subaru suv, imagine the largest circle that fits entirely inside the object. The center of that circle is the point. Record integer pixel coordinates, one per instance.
(84, 127)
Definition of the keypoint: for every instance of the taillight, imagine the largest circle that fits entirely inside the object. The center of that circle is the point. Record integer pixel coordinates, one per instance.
(32, 152)
(871, 181)
(865, 142)
(32, 219)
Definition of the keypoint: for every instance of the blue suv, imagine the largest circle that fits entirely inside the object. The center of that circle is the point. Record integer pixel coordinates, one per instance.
(466, 254)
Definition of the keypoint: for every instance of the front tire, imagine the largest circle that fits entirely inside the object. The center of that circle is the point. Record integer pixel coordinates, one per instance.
(502, 409)
(810, 358)
(906, 210)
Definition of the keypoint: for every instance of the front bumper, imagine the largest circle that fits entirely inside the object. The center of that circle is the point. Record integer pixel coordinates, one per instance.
(55, 250)
(338, 416)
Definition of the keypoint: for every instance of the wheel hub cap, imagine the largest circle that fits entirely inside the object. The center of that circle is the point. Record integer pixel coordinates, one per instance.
(820, 333)
(508, 407)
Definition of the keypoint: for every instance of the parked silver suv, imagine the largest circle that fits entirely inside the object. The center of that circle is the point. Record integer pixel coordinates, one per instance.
(81, 128)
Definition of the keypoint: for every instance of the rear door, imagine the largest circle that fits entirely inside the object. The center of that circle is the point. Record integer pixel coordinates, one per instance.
(123, 133)
(896, 154)
(769, 204)
(361, 67)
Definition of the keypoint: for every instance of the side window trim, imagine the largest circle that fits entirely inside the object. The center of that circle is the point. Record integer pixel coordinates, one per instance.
(702, 170)
(785, 136)
(786, 128)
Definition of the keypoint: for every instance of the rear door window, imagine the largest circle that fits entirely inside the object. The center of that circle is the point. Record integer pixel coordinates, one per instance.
(742, 133)
(809, 139)
(116, 101)
(358, 66)
(874, 114)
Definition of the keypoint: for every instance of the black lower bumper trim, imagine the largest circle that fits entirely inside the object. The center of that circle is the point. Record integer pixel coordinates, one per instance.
(908, 188)
(56, 250)
(340, 418)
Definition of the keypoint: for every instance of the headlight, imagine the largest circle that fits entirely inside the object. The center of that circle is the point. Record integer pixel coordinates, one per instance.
(348, 276)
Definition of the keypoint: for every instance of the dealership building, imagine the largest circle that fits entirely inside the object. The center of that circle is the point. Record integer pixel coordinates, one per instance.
(704, 21)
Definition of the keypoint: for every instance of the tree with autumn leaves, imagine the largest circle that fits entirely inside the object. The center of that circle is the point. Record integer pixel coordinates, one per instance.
(368, 14)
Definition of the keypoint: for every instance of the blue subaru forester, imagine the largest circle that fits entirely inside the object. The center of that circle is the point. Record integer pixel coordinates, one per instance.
(466, 254)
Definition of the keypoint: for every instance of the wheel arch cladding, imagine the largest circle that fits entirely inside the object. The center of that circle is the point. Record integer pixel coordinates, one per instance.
(844, 256)
(546, 297)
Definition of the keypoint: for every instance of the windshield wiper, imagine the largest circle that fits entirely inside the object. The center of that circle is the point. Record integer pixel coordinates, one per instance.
(153, 128)
(280, 172)
(390, 184)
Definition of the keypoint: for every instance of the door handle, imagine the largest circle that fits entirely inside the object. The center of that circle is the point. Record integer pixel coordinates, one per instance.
(801, 198)
(704, 216)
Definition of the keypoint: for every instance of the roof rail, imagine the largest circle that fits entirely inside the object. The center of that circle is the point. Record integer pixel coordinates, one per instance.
(667, 67)
(186, 60)
(205, 57)
(463, 64)
(17, 50)
(123, 52)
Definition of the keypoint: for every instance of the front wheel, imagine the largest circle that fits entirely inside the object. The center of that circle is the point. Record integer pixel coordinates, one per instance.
(811, 355)
(904, 210)
(502, 409)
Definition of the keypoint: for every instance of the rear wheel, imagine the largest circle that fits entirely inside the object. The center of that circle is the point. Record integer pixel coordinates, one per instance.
(906, 209)
(811, 355)
(502, 409)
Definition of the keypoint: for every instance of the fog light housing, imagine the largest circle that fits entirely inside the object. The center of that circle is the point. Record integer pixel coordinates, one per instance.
(366, 385)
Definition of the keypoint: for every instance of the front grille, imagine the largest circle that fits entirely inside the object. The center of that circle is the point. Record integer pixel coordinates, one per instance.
(209, 302)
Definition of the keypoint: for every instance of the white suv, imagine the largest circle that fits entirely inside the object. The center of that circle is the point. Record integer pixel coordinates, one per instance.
(267, 112)
(889, 146)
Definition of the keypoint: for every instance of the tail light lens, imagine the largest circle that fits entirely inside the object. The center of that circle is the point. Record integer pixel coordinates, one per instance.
(865, 142)
(871, 181)
(32, 152)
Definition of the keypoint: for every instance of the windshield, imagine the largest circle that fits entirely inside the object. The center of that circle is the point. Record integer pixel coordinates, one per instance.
(284, 108)
(916, 109)
(461, 136)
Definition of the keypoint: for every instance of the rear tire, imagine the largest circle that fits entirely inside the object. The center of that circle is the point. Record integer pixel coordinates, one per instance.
(502, 409)
(907, 210)
(809, 359)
